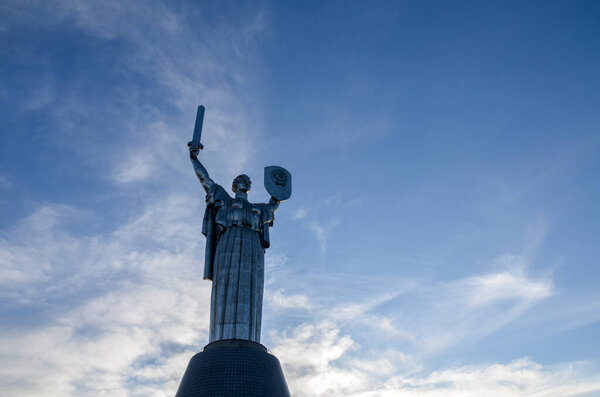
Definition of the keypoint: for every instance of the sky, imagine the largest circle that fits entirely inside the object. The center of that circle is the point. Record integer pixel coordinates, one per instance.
(442, 238)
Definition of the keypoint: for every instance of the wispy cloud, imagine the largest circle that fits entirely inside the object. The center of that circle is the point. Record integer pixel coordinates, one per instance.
(522, 377)
(119, 307)
(322, 231)
(476, 306)
(279, 300)
(324, 219)
(29, 249)
(491, 288)
(402, 325)
(139, 167)
(320, 359)
(4, 182)
(325, 215)
(143, 129)
(300, 213)
(424, 315)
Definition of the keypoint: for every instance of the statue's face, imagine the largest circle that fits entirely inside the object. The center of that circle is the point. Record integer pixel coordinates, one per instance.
(242, 184)
(242, 187)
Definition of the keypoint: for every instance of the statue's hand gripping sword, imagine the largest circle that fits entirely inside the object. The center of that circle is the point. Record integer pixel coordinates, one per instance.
(195, 143)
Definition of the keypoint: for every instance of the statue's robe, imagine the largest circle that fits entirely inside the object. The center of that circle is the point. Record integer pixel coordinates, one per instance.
(237, 234)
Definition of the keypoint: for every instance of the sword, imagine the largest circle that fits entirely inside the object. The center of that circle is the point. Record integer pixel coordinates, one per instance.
(198, 129)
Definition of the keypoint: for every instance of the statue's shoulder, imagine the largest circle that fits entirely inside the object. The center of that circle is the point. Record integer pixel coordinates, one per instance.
(265, 210)
(217, 193)
(261, 206)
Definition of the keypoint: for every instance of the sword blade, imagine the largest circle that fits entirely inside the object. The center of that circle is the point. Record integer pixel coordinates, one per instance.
(198, 125)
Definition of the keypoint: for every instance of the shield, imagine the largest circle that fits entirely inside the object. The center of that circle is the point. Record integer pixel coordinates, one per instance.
(278, 182)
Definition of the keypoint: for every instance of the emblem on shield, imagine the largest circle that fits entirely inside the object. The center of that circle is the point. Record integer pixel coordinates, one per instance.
(278, 182)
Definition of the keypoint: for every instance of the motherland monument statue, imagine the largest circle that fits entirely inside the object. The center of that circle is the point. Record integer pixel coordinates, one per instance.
(237, 236)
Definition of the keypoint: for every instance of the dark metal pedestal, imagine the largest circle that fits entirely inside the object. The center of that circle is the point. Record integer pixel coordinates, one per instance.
(233, 368)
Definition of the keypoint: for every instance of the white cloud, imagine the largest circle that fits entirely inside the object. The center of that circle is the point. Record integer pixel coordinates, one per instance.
(27, 252)
(300, 213)
(137, 307)
(138, 167)
(320, 234)
(466, 310)
(281, 301)
(307, 354)
(485, 290)
(320, 360)
(322, 231)
(325, 216)
(425, 317)
(141, 310)
(521, 377)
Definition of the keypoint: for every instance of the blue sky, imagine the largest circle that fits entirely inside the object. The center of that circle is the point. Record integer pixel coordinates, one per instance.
(442, 237)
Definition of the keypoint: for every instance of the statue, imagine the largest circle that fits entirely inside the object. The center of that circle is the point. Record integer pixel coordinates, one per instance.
(237, 235)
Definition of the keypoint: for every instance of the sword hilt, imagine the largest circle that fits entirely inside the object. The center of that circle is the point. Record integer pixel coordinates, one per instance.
(197, 144)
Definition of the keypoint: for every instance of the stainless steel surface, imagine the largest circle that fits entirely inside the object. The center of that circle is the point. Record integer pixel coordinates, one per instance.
(198, 129)
(237, 235)
(278, 182)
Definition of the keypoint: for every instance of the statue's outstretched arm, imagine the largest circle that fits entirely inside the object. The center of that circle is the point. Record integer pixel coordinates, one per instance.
(201, 172)
(273, 202)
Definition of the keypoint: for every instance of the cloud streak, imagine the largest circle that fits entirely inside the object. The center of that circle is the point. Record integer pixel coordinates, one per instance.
(323, 357)
(134, 304)
(321, 360)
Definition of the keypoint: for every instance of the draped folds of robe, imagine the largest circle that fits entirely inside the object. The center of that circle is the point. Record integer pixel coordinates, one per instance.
(237, 233)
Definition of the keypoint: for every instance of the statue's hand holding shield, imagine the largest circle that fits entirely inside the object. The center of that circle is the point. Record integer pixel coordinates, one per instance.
(278, 182)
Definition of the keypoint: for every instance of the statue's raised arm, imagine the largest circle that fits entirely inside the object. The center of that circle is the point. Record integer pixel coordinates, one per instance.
(195, 147)
(201, 172)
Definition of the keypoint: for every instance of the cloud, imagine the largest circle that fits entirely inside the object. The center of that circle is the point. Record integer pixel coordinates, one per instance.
(308, 352)
(138, 309)
(422, 318)
(5, 182)
(476, 306)
(354, 349)
(321, 360)
(325, 216)
(138, 167)
(117, 308)
(300, 213)
(280, 301)
(522, 377)
(491, 288)
(158, 65)
(320, 234)
(322, 231)
(27, 251)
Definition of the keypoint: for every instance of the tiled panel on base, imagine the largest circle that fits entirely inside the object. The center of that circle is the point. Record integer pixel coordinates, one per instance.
(233, 368)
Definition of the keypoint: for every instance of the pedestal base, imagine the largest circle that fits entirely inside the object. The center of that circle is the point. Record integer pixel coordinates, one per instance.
(233, 368)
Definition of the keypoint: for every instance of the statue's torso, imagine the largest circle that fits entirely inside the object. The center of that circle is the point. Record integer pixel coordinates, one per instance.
(241, 213)
(238, 212)
(241, 233)
(245, 214)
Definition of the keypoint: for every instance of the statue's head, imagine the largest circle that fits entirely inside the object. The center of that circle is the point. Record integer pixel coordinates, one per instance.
(241, 182)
